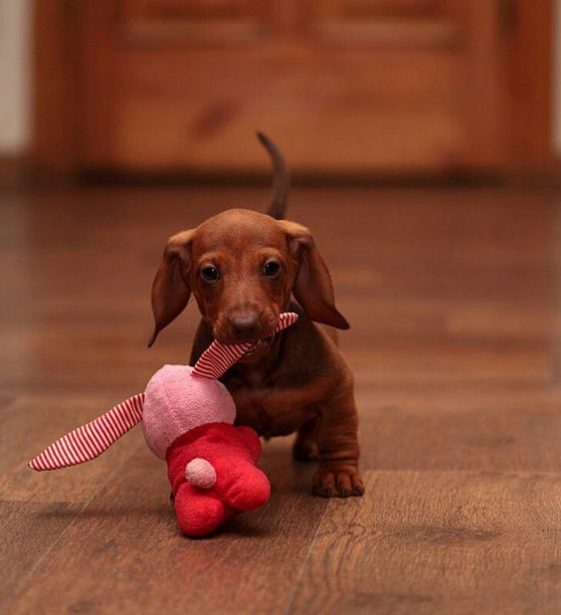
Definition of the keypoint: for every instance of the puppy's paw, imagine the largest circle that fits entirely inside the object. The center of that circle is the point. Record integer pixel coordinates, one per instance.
(331, 483)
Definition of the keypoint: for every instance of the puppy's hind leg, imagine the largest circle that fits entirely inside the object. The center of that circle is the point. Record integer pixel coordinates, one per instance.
(305, 447)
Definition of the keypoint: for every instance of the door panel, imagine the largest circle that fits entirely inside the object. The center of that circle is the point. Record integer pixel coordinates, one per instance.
(343, 85)
(184, 21)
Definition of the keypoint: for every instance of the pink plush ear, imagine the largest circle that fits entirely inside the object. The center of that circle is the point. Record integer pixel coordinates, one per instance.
(218, 358)
(90, 440)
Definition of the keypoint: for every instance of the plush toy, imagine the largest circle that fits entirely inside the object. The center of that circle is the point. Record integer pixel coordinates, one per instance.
(188, 418)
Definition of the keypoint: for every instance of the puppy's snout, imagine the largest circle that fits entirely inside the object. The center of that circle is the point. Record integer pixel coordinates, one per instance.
(245, 326)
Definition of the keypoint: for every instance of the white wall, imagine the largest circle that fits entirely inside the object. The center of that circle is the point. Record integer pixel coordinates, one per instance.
(15, 38)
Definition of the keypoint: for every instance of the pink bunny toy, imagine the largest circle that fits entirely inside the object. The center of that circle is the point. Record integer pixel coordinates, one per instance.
(188, 418)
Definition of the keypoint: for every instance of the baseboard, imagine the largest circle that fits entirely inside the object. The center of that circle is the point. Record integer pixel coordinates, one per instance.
(13, 171)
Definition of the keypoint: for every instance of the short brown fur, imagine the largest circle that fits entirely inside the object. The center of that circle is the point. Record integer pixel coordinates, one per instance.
(297, 380)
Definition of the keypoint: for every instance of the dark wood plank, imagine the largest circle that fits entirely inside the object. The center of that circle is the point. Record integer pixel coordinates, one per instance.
(468, 427)
(32, 422)
(37, 509)
(127, 538)
(439, 542)
(28, 530)
(453, 296)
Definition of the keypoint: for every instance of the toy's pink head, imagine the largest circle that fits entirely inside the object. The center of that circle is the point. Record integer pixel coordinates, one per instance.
(176, 400)
(179, 398)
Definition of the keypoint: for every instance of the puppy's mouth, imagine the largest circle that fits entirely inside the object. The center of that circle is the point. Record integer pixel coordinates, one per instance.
(260, 345)
(258, 350)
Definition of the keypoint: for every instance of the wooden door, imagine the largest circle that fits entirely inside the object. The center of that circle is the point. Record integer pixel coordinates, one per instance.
(351, 86)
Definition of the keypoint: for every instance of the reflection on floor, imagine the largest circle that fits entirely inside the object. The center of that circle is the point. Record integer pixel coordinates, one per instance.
(453, 298)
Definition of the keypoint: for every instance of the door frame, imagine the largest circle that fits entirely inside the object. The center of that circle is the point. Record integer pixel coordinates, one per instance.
(57, 105)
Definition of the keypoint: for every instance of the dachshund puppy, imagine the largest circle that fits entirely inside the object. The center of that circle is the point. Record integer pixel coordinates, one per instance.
(244, 268)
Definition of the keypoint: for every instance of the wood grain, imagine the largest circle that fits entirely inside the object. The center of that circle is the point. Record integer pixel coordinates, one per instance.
(439, 542)
(453, 297)
(128, 537)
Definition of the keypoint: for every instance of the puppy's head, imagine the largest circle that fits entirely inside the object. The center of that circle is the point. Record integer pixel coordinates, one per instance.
(242, 268)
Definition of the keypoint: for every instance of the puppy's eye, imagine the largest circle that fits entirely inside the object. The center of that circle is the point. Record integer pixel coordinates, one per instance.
(271, 269)
(210, 273)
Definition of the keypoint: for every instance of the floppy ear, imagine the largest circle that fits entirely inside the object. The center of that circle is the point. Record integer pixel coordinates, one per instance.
(312, 288)
(170, 289)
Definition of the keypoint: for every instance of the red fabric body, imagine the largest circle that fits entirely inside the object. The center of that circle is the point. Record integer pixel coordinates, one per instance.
(240, 485)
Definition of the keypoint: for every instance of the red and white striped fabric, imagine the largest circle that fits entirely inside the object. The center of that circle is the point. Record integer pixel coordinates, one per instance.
(88, 441)
(217, 359)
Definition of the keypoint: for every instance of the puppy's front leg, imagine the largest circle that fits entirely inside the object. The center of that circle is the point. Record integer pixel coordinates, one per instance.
(338, 474)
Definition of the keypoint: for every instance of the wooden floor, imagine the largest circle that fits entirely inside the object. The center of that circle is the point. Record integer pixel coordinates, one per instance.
(453, 296)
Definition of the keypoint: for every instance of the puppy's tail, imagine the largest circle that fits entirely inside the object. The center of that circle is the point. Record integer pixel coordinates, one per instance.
(281, 178)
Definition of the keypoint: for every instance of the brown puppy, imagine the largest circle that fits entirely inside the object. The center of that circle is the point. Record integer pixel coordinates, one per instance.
(243, 268)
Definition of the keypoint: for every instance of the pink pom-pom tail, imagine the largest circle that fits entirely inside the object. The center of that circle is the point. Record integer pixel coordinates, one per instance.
(200, 473)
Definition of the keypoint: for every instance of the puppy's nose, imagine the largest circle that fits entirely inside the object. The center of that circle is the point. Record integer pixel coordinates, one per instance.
(245, 327)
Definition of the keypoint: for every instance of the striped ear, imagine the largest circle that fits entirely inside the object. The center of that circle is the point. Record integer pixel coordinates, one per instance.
(218, 358)
(90, 440)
